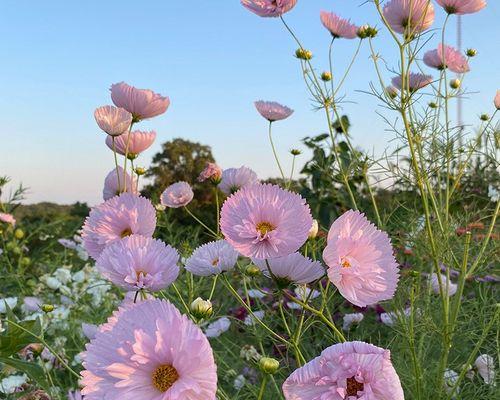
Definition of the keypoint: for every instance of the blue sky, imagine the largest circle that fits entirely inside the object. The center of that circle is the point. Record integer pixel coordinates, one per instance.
(213, 58)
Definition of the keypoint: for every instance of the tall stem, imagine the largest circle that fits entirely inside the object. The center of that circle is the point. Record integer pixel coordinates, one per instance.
(274, 151)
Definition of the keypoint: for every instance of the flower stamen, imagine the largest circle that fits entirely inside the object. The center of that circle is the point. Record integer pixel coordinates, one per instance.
(164, 377)
(265, 227)
(353, 387)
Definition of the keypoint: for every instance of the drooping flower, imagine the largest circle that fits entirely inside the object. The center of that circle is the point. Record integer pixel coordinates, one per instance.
(448, 286)
(116, 218)
(348, 370)
(349, 319)
(141, 103)
(217, 328)
(111, 187)
(497, 100)
(269, 8)
(446, 57)
(212, 171)
(360, 259)
(409, 16)
(139, 262)
(462, 7)
(212, 258)
(293, 268)
(233, 179)
(152, 352)
(272, 111)
(265, 221)
(7, 218)
(338, 27)
(414, 81)
(485, 365)
(113, 120)
(177, 195)
(138, 142)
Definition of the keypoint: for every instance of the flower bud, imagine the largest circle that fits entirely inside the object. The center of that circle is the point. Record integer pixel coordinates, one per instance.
(269, 365)
(18, 234)
(201, 308)
(455, 83)
(303, 54)
(140, 171)
(391, 91)
(313, 232)
(252, 271)
(326, 76)
(432, 104)
(471, 52)
(25, 261)
(46, 308)
(366, 31)
(131, 156)
(484, 117)
(295, 152)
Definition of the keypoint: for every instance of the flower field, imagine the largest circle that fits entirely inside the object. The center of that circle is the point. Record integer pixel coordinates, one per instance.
(353, 277)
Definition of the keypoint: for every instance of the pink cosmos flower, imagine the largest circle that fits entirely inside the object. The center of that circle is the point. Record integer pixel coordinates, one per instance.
(7, 218)
(293, 268)
(116, 218)
(139, 262)
(152, 352)
(112, 120)
(415, 81)
(212, 258)
(446, 57)
(352, 370)
(111, 187)
(272, 111)
(265, 221)
(497, 100)
(212, 171)
(409, 16)
(462, 7)
(269, 8)
(360, 260)
(338, 27)
(139, 141)
(177, 195)
(233, 179)
(141, 103)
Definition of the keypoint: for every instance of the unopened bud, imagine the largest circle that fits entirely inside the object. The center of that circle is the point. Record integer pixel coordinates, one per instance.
(471, 52)
(132, 156)
(269, 365)
(25, 261)
(366, 31)
(303, 54)
(414, 274)
(252, 271)
(18, 234)
(455, 83)
(391, 91)
(140, 171)
(432, 105)
(484, 117)
(201, 308)
(313, 232)
(295, 152)
(47, 308)
(326, 76)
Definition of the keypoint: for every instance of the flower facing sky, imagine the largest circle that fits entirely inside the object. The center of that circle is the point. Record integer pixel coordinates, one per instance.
(272, 111)
(338, 27)
(409, 16)
(233, 179)
(152, 352)
(117, 218)
(177, 195)
(360, 260)
(462, 7)
(139, 141)
(212, 258)
(113, 120)
(446, 57)
(265, 221)
(269, 8)
(111, 187)
(414, 81)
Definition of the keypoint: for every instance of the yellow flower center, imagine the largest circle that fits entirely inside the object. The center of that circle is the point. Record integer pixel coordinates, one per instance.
(344, 263)
(215, 262)
(139, 273)
(126, 232)
(164, 377)
(265, 227)
(353, 386)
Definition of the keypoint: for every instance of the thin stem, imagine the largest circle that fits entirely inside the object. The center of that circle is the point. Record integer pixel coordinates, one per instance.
(214, 284)
(116, 164)
(262, 388)
(200, 222)
(126, 157)
(274, 151)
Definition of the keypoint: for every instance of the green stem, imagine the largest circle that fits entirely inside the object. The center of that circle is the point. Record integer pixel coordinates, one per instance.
(200, 222)
(274, 151)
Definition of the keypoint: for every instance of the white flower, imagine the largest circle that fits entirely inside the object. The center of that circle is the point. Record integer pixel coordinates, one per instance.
(250, 319)
(81, 253)
(11, 383)
(493, 193)
(239, 382)
(450, 378)
(248, 352)
(11, 302)
(31, 304)
(452, 287)
(53, 283)
(89, 330)
(217, 328)
(79, 276)
(69, 244)
(391, 318)
(349, 319)
(303, 293)
(63, 275)
(256, 294)
(485, 365)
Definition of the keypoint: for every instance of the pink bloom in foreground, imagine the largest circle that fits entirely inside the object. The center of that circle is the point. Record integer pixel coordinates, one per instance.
(111, 187)
(152, 352)
(212, 258)
(351, 370)
(461, 7)
(177, 195)
(141, 103)
(409, 16)
(116, 218)
(265, 221)
(414, 81)
(360, 260)
(139, 262)
(269, 8)
(272, 111)
(139, 141)
(212, 171)
(497, 100)
(294, 268)
(113, 120)
(233, 179)
(446, 57)
(338, 27)
(7, 218)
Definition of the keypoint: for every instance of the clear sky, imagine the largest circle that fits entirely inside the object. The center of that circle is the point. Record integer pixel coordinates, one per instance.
(212, 57)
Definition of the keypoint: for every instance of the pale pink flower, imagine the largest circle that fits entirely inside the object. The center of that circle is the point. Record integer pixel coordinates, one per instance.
(113, 120)
(293, 268)
(212, 258)
(269, 8)
(233, 179)
(212, 171)
(116, 218)
(409, 16)
(139, 262)
(31, 304)
(218, 327)
(497, 100)
(152, 352)
(89, 330)
(75, 395)
(7, 218)
(485, 365)
(353, 318)
(360, 260)
(462, 7)
(111, 187)
(338, 27)
(141, 103)
(351, 370)
(414, 81)
(272, 111)
(177, 195)
(446, 57)
(449, 287)
(265, 221)
(139, 141)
